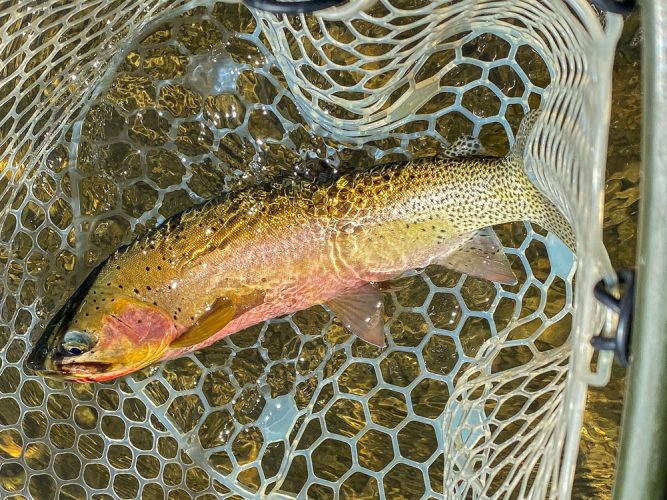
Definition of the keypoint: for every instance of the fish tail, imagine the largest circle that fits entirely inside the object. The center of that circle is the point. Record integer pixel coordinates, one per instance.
(546, 214)
(541, 209)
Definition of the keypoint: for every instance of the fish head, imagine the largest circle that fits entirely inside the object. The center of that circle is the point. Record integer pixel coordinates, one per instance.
(102, 335)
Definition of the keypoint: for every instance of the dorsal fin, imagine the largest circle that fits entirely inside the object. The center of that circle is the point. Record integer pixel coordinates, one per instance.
(462, 147)
(527, 124)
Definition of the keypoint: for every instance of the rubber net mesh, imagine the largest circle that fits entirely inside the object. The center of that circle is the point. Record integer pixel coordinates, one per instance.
(116, 115)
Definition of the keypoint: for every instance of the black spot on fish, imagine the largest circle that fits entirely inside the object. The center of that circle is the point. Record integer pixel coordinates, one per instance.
(148, 288)
(136, 291)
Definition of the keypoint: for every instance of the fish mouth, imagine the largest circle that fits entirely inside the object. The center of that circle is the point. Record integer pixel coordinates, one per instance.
(44, 363)
(72, 372)
(83, 368)
(46, 373)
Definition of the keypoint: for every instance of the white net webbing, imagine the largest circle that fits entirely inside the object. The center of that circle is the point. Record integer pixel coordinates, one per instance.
(118, 114)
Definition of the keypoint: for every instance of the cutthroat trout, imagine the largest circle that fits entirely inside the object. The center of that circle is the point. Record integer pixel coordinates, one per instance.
(228, 265)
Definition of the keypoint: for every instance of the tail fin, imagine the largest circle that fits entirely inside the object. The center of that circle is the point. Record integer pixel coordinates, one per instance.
(542, 211)
(547, 215)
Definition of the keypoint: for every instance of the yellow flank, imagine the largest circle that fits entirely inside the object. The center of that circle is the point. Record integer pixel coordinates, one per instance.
(364, 227)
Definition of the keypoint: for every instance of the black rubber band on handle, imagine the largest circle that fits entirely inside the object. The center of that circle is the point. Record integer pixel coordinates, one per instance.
(299, 7)
(616, 6)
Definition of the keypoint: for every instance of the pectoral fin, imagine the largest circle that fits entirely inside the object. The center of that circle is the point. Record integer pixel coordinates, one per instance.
(222, 312)
(480, 256)
(361, 311)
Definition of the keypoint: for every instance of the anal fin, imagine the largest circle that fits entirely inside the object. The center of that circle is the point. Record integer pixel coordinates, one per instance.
(361, 311)
(480, 255)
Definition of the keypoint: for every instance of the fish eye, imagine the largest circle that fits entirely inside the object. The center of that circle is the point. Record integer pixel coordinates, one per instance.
(76, 343)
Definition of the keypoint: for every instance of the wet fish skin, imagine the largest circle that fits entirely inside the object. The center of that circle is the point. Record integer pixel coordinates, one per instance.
(225, 266)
